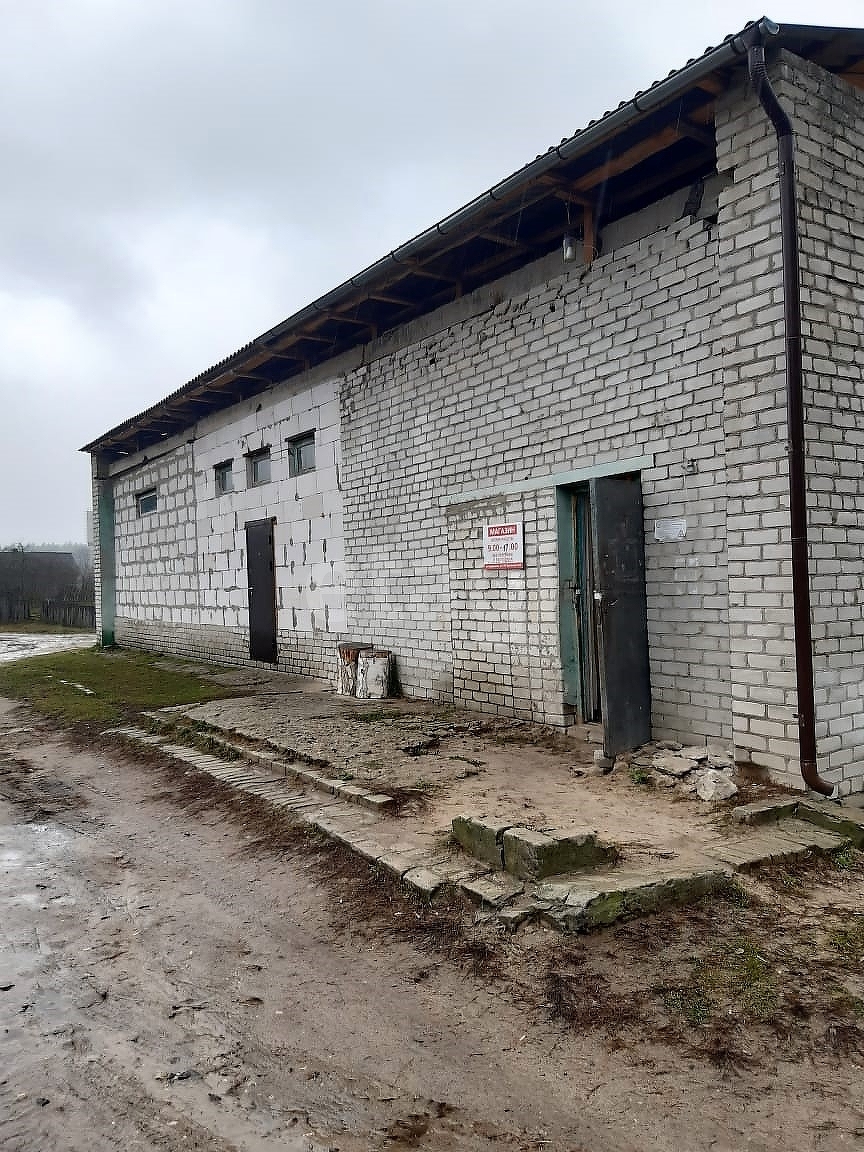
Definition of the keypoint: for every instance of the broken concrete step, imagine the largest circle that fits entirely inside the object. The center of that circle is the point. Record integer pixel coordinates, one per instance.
(532, 855)
(834, 818)
(481, 837)
(398, 863)
(423, 881)
(787, 842)
(492, 891)
(455, 870)
(378, 802)
(527, 853)
(811, 836)
(765, 811)
(601, 899)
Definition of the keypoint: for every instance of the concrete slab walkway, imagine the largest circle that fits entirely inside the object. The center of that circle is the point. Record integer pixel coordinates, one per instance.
(681, 850)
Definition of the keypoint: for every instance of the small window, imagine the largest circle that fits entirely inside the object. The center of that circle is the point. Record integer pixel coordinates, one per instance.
(224, 474)
(301, 454)
(146, 502)
(258, 467)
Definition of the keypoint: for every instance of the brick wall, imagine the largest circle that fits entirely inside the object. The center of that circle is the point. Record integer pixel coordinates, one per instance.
(829, 122)
(553, 370)
(750, 320)
(157, 577)
(181, 570)
(505, 623)
(827, 118)
(300, 653)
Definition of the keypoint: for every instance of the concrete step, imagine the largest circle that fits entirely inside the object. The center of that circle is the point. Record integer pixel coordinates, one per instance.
(527, 853)
(786, 841)
(270, 762)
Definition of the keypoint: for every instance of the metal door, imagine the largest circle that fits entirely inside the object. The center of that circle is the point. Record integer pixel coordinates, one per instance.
(261, 574)
(622, 619)
(577, 612)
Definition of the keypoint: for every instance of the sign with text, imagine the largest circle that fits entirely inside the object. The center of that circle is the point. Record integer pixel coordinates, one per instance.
(503, 546)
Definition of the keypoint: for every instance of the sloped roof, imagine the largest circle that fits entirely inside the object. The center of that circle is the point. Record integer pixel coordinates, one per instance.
(649, 146)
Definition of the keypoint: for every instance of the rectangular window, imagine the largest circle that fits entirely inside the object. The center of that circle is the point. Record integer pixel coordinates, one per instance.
(301, 454)
(224, 475)
(258, 467)
(145, 502)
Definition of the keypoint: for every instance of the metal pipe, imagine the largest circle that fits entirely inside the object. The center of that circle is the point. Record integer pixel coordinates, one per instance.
(795, 417)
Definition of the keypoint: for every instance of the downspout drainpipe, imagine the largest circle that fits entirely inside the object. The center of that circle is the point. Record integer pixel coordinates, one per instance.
(795, 416)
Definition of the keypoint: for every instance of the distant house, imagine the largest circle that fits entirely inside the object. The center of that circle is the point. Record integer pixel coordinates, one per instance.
(542, 451)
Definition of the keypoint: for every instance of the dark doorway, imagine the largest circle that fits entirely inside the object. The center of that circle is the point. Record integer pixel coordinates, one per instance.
(261, 573)
(603, 611)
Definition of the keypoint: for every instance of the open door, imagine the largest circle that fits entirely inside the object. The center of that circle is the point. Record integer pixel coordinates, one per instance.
(618, 539)
(577, 608)
(261, 574)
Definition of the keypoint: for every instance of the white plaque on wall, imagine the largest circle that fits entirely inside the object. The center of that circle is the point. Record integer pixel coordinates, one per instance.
(670, 529)
(503, 546)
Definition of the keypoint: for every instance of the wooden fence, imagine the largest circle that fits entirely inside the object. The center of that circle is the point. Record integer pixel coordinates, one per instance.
(70, 613)
(13, 610)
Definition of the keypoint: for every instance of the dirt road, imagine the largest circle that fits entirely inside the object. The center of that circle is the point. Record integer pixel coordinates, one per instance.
(165, 985)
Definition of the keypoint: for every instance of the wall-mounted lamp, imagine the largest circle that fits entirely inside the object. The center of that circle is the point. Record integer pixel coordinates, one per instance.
(569, 248)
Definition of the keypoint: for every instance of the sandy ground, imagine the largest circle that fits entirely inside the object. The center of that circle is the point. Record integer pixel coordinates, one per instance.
(165, 983)
(463, 762)
(14, 645)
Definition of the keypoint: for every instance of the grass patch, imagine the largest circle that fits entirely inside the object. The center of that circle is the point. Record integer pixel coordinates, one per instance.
(689, 1002)
(848, 939)
(846, 859)
(735, 975)
(122, 684)
(639, 775)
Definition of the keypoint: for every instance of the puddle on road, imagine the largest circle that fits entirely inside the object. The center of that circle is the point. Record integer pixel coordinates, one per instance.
(48, 840)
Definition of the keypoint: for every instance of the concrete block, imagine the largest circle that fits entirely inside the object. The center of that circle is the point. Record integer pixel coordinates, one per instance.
(834, 818)
(481, 837)
(492, 891)
(617, 897)
(423, 881)
(534, 855)
(764, 811)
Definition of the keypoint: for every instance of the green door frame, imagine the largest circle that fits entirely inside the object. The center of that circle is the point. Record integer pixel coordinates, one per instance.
(567, 576)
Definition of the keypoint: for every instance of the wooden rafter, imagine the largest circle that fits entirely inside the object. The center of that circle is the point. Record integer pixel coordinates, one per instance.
(504, 241)
(629, 158)
(390, 298)
(697, 132)
(715, 84)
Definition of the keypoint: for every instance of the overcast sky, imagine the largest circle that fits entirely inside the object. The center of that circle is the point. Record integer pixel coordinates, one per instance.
(179, 175)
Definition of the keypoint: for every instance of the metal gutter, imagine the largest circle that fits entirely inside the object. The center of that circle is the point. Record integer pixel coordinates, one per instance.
(795, 418)
(613, 122)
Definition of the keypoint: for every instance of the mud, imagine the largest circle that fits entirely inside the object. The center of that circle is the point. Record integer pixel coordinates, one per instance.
(172, 980)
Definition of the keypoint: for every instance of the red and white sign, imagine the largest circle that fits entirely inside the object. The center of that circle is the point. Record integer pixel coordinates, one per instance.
(503, 546)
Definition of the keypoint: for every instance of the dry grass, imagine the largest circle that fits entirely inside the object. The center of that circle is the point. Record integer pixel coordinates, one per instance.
(367, 899)
(734, 981)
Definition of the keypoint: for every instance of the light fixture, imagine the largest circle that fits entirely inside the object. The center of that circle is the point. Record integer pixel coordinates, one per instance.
(569, 248)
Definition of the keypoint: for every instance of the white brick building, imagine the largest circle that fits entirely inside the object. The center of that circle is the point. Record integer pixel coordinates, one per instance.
(474, 377)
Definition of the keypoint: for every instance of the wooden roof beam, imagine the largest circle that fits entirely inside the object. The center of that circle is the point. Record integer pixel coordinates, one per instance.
(389, 298)
(239, 373)
(415, 268)
(629, 158)
(694, 131)
(504, 241)
(713, 84)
